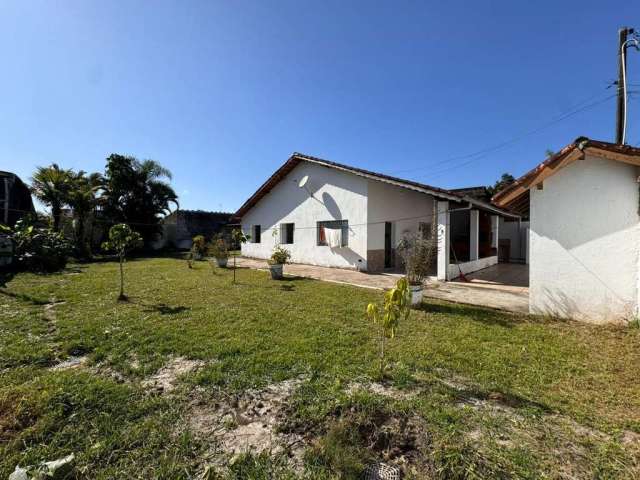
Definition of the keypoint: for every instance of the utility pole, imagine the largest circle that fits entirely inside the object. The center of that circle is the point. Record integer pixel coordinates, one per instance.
(623, 33)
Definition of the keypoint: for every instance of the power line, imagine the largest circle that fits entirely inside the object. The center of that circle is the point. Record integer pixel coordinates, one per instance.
(379, 222)
(516, 139)
(481, 153)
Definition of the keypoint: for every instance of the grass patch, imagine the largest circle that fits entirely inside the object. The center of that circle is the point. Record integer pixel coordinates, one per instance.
(487, 394)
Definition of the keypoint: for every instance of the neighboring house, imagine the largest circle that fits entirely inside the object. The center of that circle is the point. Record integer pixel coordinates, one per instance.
(352, 218)
(584, 235)
(15, 199)
(179, 227)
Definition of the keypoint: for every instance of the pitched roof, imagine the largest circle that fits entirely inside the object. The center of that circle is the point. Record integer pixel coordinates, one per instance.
(576, 150)
(297, 158)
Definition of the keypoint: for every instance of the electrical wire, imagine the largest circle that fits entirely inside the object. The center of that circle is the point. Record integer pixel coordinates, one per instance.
(562, 116)
(380, 222)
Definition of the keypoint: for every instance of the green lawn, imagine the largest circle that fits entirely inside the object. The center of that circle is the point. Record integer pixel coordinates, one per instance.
(471, 393)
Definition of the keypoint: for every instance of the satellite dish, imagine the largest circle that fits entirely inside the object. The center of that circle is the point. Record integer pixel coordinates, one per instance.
(303, 181)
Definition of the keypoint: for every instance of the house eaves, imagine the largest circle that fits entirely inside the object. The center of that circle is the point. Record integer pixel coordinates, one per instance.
(573, 152)
(297, 158)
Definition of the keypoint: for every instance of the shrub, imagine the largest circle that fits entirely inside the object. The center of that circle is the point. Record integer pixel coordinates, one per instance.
(218, 247)
(280, 256)
(417, 254)
(39, 249)
(199, 245)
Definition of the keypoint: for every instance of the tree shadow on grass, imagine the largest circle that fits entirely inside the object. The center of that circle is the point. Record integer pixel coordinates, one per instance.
(24, 297)
(165, 309)
(505, 399)
(5, 277)
(479, 314)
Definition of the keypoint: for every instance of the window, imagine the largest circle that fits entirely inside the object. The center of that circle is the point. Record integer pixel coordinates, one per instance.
(426, 230)
(256, 233)
(343, 225)
(286, 232)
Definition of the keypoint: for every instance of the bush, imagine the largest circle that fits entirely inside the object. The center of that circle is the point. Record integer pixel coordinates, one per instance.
(199, 246)
(218, 248)
(40, 249)
(280, 256)
(418, 254)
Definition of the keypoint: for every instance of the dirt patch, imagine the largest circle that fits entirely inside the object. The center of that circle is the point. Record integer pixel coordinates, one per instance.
(381, 389)
(249, 422)
(166, 379)
(49, 311)
(368, 439)
(71, 363)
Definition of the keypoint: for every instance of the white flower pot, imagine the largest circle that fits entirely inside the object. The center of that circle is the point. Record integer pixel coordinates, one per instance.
(222, 262)
(416, 294)
(276, 270)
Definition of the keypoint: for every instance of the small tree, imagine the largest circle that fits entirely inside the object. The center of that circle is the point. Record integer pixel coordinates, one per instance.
(121, 240)
(239, 238)
(396, 307)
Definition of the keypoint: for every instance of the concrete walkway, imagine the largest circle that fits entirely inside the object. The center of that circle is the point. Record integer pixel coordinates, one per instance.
(336, 275)
(479, 292)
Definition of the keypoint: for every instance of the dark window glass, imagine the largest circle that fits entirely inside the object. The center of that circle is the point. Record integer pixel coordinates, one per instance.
(286, 232)
(257, 231)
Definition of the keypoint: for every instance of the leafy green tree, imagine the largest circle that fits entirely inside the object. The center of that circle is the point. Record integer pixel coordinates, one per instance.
(122, 240)
(396, 307)
(82, 198)
(137, 193)
(505, 180)
(51, 186)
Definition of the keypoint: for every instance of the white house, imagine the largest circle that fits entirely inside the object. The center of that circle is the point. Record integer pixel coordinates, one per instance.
(352, 218)
(584, 233)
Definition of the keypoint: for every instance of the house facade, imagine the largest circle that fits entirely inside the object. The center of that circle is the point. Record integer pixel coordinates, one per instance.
(352, 218)
(584, 231)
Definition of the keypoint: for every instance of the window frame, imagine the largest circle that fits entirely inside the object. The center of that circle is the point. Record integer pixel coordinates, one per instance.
(284, 233)
(256, 233)
(322, 224)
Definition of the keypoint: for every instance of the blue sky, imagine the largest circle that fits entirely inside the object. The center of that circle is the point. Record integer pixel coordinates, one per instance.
(222, 93)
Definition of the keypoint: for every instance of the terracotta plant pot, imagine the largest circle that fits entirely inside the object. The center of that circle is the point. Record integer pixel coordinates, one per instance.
(276, 270)
(222, 262)
(416, 294)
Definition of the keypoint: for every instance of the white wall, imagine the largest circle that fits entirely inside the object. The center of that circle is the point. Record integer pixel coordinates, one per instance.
(404, 208)
(336, 196)
(517, 233)
(584, 241)
(453, 271)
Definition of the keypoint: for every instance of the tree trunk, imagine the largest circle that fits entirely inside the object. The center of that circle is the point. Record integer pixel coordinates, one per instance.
(382, 341)
(121, 296)
(56, 213)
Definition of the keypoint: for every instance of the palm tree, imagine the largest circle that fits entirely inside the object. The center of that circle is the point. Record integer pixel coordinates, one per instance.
(137, 193)
(83, 200)
(51, 185)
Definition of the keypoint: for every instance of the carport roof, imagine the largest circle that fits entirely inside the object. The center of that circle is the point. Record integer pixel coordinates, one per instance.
(297, 158)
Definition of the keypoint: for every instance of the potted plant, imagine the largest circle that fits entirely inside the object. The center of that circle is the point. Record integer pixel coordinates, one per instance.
(417, 252)
(198, 247)
(279, 258)
(219, 250)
